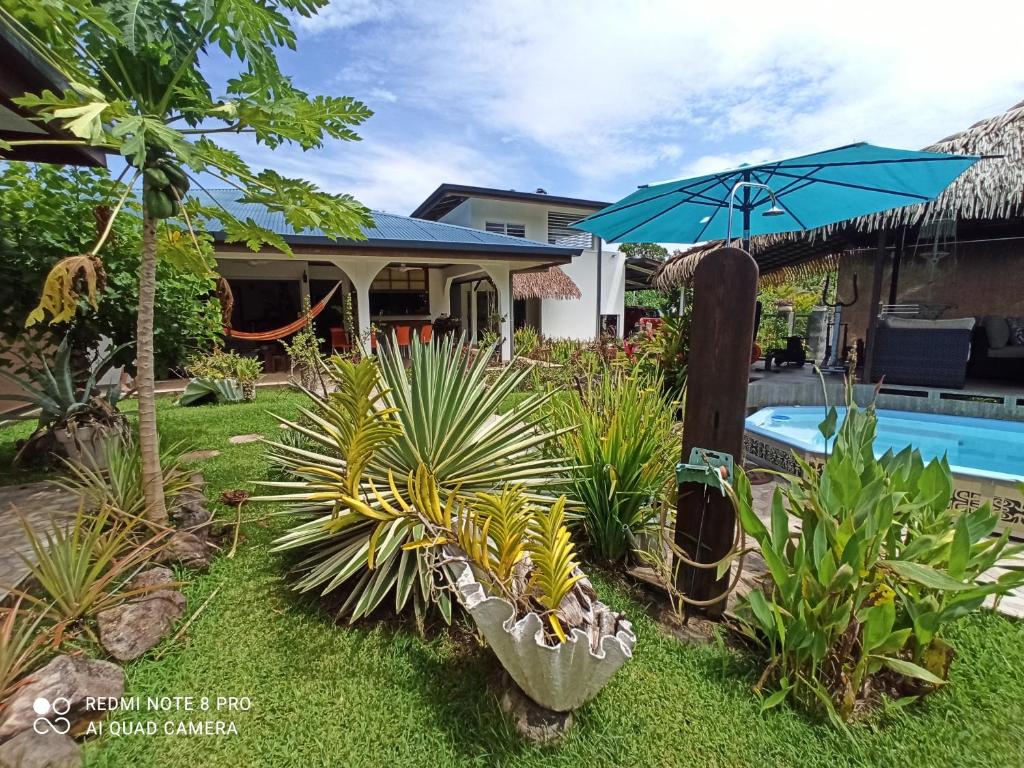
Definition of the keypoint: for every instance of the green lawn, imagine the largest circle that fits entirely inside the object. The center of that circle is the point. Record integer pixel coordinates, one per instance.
(378, 695)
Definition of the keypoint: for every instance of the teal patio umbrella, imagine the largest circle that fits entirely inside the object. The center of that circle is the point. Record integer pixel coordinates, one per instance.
(784, 196)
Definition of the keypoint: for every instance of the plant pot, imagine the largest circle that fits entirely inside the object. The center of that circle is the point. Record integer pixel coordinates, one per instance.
(562, 677)
(85, 443)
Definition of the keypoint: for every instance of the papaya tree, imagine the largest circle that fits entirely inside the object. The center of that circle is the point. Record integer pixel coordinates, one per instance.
(137, 91)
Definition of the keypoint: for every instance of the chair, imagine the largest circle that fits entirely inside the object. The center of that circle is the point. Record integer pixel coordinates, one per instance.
(403, 337)
(793, 354)
(340, 340)
(426, 333)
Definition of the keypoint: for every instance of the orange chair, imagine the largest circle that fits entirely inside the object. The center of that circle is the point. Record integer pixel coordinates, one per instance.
(403, 337)
(340, 340)
(426, 333)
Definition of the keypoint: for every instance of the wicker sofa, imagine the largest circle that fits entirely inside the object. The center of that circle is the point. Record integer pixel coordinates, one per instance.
(924, 353)
(994, 355)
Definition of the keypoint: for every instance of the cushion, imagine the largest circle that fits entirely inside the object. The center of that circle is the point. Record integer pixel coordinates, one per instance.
(964, 323)
(1016, 330)
(1015, 351)
(997, 331)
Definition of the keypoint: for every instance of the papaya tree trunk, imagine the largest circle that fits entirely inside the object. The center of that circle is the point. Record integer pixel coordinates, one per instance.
(149, 439)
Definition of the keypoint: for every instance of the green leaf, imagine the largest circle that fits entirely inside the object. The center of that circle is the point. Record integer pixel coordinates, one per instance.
(774, 699)
(960, 550)
(910, 669)
(878, 625)
(925, 575)
(828, 426)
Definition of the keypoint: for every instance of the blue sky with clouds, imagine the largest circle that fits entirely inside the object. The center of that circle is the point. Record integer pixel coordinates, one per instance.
(591, 98)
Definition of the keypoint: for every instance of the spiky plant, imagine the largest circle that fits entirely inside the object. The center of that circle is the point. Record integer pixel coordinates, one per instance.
(493, 533)
(23, 640)
(555, 569)
(448, 421)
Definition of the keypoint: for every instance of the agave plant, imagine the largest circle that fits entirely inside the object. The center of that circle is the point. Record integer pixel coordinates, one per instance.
(51, 387)
(23, 642)
(441, 414)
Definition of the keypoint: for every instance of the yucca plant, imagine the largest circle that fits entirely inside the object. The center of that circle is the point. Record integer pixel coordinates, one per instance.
(617, 430)
(81, 567)
(441, 414)
(23, 641)
(119, 485)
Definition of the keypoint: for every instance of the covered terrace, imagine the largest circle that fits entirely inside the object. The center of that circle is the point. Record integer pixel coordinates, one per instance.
(407, 272)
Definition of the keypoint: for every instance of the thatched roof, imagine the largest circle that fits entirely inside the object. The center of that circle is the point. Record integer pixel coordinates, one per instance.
(990, 189)
(552, 284)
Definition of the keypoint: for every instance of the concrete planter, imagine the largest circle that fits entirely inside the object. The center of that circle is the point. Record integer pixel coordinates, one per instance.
(85, 443)
(559, 678)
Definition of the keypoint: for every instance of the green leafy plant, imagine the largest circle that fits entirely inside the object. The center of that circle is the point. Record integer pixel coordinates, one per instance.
(119, 485)
(526, 339)
(617, 430)
(881, 565)
(137, 90)
(664, 351)
(81, 567)
(447, 420)
(220, 365)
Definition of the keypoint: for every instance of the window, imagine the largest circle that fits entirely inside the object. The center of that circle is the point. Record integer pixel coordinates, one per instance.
(400, 279)
(561, 232)
(504, 228)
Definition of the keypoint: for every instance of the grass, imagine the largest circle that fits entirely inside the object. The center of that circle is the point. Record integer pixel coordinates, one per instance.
(378, 695)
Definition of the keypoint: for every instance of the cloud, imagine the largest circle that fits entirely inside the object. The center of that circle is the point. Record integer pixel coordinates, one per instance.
(605, 87)
(393, 176)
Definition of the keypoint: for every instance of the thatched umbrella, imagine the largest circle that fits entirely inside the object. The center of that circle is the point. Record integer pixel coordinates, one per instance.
(550, 284)
(990, 189)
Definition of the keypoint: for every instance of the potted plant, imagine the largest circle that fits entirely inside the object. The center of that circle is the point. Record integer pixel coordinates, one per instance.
(221, 376)
(77, 416)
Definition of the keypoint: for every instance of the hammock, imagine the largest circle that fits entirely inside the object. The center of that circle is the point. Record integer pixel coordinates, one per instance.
(285, 330)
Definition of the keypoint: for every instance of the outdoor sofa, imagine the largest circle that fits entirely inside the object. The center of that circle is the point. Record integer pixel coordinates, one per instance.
(923, 353)
(995, 352)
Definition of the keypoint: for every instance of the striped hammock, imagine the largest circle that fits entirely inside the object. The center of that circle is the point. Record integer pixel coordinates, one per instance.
(285, 330)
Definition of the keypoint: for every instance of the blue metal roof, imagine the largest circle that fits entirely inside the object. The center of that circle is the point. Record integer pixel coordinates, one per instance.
(388, 231)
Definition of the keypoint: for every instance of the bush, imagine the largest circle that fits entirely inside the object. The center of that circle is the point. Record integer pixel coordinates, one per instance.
(617, 431)
(526, 340)
(220, 366)
(861, 596)
(48, 213)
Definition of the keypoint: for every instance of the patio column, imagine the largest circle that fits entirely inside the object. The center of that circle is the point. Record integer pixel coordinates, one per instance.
(500, 276)
(362, 272)
(438, 293)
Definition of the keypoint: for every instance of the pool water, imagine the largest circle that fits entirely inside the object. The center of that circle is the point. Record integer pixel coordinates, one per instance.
(989, 448)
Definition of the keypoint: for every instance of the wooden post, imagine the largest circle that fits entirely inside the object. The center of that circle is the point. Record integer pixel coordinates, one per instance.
(721, 340)
(876, 295)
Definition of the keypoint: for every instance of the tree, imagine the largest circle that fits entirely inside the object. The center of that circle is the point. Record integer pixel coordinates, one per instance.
(137, 90)
(47, 212)
(649, 250)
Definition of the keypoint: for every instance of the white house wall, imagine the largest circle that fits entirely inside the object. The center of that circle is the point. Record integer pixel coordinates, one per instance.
(575, 319)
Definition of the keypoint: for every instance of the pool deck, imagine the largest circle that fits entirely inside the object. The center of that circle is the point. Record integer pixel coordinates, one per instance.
(802, 386)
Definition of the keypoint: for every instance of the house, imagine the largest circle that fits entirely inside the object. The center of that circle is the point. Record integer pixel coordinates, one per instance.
(406, 272)
(598, 273)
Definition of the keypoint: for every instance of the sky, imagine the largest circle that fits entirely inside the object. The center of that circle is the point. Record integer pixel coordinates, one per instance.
(591, 98)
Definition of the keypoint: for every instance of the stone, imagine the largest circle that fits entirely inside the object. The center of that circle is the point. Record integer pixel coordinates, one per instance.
(186, 548)
(68, 677)
(129, 630)
(242, 439)
(532, 721)
(198, 455)
(34, 750)
(190, 513)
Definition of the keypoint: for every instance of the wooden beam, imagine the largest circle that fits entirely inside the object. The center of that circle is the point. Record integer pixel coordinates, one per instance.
(876, 296)
(721, 340)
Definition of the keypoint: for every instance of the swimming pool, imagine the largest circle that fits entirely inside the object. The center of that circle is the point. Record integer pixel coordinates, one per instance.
(985, 455)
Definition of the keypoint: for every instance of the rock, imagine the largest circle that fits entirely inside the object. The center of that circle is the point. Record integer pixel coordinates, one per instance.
(191, 513)
(64, 677)
(242, 439)
(532, 721)
(198, 455)
(186, 548)
(129, 630)
(33, 750)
